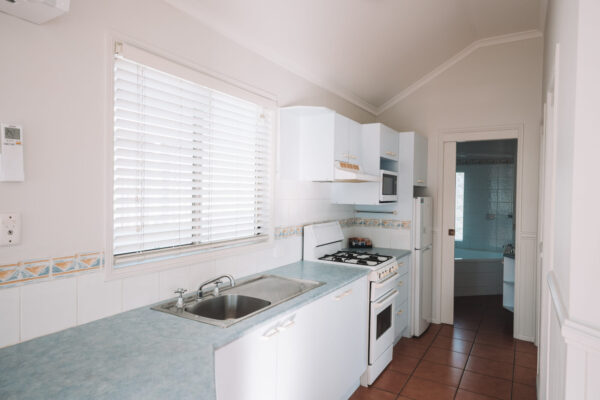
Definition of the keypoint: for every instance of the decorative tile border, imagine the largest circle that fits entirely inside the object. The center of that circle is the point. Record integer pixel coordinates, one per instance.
(46, 269)
(284, 232)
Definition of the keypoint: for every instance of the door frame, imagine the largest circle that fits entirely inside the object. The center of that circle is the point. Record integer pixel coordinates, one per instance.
(444, 288)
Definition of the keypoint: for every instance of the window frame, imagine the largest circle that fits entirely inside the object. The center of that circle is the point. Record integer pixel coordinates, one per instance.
(224, 84)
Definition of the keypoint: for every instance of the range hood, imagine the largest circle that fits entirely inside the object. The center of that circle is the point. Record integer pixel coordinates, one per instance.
(347, 172)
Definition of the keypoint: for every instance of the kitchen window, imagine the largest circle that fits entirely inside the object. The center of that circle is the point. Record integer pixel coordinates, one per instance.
(191, 161)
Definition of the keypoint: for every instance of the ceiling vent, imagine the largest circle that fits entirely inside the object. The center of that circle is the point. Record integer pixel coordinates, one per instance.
(36, 11)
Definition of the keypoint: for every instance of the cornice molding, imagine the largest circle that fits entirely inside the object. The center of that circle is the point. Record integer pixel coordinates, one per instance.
(327, 84)
(467, 51)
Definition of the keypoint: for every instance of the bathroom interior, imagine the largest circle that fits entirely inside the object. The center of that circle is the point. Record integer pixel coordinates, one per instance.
(485, 226)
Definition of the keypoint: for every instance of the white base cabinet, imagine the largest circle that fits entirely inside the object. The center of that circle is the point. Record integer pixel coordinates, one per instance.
(402, 301)
(318, 351)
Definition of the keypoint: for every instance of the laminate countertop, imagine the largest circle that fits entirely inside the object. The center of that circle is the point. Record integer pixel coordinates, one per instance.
(142, 353)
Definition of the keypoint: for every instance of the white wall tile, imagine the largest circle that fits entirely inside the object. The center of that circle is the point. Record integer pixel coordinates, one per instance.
(97, 298)
(48, 307)
(9, 316)
(171, 280)
(238, 266)
(199, 273)
(140, 291)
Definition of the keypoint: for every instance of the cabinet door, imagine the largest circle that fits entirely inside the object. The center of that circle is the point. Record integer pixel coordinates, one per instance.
(246, 369)
(389, 142)
(354, 142)
(341, 143)
(420, 161)
(348, 323)
(401, 317)
(302, 348)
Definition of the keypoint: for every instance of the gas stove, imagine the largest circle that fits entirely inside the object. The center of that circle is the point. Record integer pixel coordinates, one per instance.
(355, 257)
(324, 243)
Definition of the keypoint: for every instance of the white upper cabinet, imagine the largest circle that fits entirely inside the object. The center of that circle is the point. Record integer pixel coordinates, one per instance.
(420, 160)
(347, 142)
(413, 159)
(389, 143)
(312, 142)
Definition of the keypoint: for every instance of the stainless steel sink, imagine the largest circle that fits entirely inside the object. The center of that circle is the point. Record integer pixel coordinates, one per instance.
(242, 301)
(227, 306)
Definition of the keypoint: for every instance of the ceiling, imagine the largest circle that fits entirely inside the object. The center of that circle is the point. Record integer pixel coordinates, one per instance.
(367, 51)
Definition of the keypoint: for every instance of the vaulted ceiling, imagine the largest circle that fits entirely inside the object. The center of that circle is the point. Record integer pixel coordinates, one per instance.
(367, 51)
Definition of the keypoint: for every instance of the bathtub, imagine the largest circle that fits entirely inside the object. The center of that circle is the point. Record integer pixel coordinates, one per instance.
(477, 272)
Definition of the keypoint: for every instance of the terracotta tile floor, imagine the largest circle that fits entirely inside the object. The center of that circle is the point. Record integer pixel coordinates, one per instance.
(477, 358)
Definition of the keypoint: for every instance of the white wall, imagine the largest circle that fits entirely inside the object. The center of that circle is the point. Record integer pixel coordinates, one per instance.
(571, 353)
(495, 85)
(55, 85)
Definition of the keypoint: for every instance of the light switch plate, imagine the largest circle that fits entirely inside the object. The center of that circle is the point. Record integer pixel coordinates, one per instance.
(10, 229)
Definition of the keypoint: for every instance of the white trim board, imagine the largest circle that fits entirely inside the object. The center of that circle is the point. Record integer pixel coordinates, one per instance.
(461, 55)
(574, 332)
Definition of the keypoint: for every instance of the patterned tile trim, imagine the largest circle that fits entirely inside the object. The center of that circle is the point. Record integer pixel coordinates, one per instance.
(46, 269)
(284, 232)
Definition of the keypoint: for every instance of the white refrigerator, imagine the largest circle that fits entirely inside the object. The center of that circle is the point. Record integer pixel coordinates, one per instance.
(422, 276)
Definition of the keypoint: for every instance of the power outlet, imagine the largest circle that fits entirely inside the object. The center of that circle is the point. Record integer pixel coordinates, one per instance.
(10, 229)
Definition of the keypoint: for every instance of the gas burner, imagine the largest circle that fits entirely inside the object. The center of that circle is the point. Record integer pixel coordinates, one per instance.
(353, 257)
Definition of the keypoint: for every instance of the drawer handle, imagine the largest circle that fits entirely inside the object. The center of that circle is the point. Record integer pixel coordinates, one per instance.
(399, 312)
(400, 263)
(390, 153)
(286, 324)
(270, 333)
(353, 157)
(400, 283)
(420, 181)
(346, 293)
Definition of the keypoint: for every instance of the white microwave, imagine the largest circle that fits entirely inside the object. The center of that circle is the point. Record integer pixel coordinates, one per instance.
(388, 186)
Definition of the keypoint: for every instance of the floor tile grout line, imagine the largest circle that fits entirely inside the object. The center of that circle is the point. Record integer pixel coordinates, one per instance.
(468, 356)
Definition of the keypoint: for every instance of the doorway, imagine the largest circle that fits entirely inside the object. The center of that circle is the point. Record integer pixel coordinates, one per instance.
(484, 240)
(445, 285)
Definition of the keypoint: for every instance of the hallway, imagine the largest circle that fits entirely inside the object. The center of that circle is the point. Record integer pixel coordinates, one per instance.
(475, 359)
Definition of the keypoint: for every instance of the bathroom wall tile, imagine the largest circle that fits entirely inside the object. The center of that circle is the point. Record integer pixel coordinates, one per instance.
(9, 316)
(140, 291)
(48, 307)
(97, 298)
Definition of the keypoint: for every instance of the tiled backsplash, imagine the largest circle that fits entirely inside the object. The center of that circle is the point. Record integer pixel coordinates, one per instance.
(45, 269)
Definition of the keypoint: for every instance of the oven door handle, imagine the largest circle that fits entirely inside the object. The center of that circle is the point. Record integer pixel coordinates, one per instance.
(385, 281)
(386, 299)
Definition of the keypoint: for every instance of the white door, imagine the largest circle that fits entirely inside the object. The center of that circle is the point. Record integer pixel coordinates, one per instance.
(448, 198)
(247, 368)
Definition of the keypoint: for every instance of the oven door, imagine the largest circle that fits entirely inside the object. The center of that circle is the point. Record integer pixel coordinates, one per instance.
(388, 189)
(381, 330)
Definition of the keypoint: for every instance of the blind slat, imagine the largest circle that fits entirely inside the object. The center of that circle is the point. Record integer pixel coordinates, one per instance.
(191, 165)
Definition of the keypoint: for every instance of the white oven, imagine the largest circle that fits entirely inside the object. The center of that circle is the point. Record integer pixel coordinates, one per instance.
(388, 186)
(381, 324)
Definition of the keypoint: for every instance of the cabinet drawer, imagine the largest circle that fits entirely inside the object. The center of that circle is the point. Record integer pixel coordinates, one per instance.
(403, 265)
(401, 318)
(402, 287)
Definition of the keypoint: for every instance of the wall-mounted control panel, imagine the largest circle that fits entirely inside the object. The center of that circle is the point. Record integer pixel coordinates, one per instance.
(11, 153)
(10, 229)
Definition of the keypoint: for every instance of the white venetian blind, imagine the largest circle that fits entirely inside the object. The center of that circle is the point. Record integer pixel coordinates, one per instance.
(191, 165)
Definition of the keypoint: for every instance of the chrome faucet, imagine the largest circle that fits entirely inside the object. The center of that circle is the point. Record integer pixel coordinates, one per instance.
(217, 282)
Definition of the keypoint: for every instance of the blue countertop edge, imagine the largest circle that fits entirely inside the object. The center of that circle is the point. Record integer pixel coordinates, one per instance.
(144, 353)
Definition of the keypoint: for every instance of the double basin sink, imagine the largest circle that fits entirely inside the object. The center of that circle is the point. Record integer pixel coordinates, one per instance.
(239, 302)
